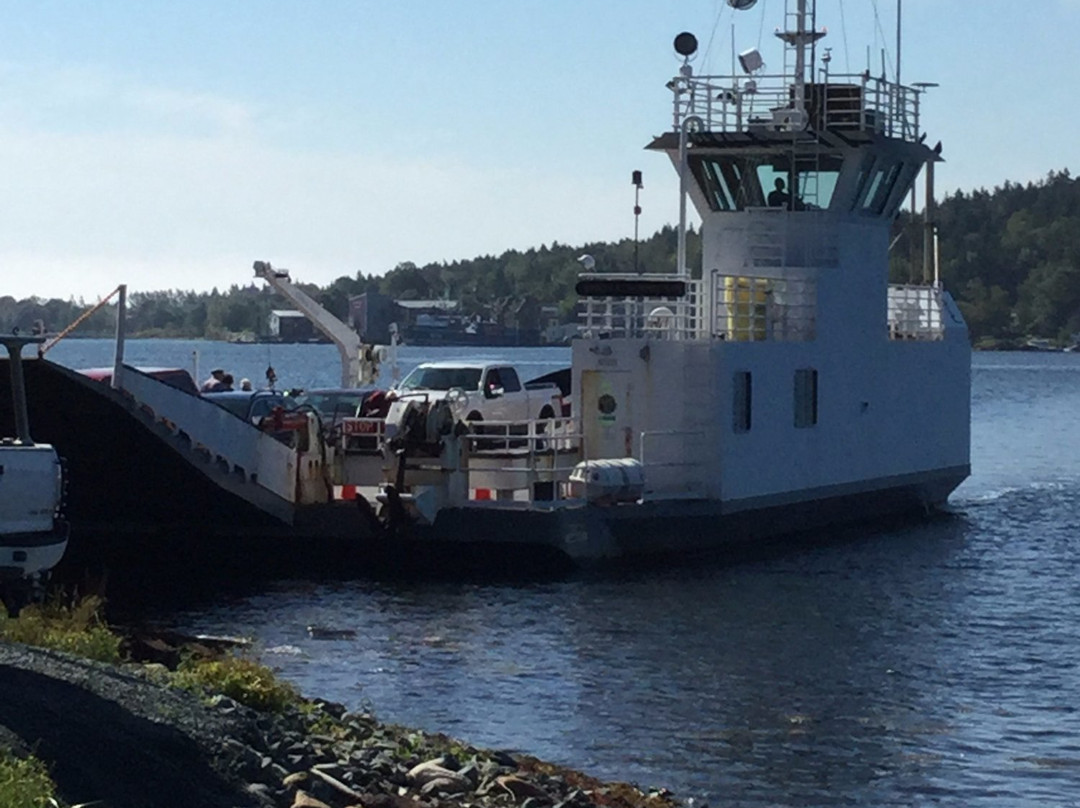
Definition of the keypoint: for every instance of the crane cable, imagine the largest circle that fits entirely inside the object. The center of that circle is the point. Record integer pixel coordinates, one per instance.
(46, 346)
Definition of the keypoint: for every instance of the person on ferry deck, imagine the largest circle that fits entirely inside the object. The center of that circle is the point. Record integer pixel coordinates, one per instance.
(226, 383)
(213, 383)
(778, 197)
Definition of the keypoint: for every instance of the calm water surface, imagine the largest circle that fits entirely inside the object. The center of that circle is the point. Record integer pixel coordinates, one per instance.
(938, 664)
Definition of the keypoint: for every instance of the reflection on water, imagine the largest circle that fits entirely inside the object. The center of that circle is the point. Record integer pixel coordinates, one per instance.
(934, 661)
(935, 664)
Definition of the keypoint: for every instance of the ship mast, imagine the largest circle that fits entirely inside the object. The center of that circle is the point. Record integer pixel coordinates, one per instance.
(801, 40)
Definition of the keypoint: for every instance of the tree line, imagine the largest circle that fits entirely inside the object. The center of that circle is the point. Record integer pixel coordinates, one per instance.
(482, 285)
(1010, 256)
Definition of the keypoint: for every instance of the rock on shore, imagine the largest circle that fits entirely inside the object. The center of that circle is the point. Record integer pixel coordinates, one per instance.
(118, 735)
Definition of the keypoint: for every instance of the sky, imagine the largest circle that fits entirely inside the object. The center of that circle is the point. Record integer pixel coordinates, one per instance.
(169, 145)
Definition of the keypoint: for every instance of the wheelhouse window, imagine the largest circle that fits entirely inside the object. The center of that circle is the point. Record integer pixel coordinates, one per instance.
(742, 401)
(876, 185)
(806, 183)
(732, 182)
(727, 182)
(806, 398)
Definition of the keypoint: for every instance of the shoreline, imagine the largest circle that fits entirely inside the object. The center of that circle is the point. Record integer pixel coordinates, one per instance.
(123, 735)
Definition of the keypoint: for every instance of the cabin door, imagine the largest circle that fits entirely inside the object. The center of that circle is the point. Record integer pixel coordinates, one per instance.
(606, 415)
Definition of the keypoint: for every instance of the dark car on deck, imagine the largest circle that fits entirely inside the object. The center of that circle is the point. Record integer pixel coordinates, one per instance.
(252, 406)
(334, 403)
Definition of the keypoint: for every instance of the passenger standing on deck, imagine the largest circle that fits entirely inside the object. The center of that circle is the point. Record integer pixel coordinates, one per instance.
(226, 383)
(213, 384)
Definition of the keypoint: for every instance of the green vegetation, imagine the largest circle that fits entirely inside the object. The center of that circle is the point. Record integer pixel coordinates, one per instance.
(1010, 256)
(484, 285)
(239, 678)
(25, 782)
(78, 629)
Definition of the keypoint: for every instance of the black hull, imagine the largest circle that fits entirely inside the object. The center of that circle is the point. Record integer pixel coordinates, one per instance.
(595, 535)
(136, 498)
(155, 521)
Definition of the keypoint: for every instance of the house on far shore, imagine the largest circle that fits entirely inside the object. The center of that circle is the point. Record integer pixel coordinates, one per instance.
(509, 321)
(286, 325)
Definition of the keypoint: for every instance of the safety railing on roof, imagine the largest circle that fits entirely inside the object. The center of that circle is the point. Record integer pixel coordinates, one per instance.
(915, 313)
(844, 103)
(656, 317)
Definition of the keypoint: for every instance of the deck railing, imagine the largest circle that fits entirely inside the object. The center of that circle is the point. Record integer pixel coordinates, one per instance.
(745, 308)
(658, 317)
(843, 102)
(232, 442)
(756, 309)
(916, 313)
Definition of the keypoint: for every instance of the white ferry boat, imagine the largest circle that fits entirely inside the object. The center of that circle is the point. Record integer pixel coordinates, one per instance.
(783, 386)
(33, 536)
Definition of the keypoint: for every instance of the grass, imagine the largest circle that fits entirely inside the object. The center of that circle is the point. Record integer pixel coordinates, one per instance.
(77, 629)
(239, 678)
(25, 782)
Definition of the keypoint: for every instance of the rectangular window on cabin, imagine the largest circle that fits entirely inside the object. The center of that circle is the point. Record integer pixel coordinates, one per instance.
(866, 171)
(885, 190)
(715, 182)
(881, 188)
(810, 186)
(742, 400)
(806, 410)
(714, 185)
(728, 183)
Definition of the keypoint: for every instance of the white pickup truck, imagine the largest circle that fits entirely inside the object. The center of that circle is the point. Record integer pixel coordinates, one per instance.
(484, 391)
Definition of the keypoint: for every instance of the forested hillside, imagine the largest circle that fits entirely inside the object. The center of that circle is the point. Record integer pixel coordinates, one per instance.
(1010, 256)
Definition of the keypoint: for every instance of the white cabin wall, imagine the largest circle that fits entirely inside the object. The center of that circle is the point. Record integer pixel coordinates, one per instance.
(664, 389)
(852, 297)
(884, 408)
(906, 414)
(773, 456)
(900, 410)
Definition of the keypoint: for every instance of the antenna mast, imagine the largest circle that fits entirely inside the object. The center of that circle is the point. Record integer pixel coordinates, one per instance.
(801, 40)
(635, 179)
(899, 37)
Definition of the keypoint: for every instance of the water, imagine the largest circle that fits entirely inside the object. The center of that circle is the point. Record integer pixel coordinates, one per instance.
(937, 664)
(295, 365)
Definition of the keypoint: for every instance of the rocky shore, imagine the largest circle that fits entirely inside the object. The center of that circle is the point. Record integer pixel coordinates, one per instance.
(120, 737)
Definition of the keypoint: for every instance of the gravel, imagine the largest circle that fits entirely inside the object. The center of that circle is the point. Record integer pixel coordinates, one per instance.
(120, 736)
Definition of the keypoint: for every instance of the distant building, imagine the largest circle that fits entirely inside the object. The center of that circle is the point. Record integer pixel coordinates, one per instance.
(371, 314)
(512, 321)
(287, 325)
